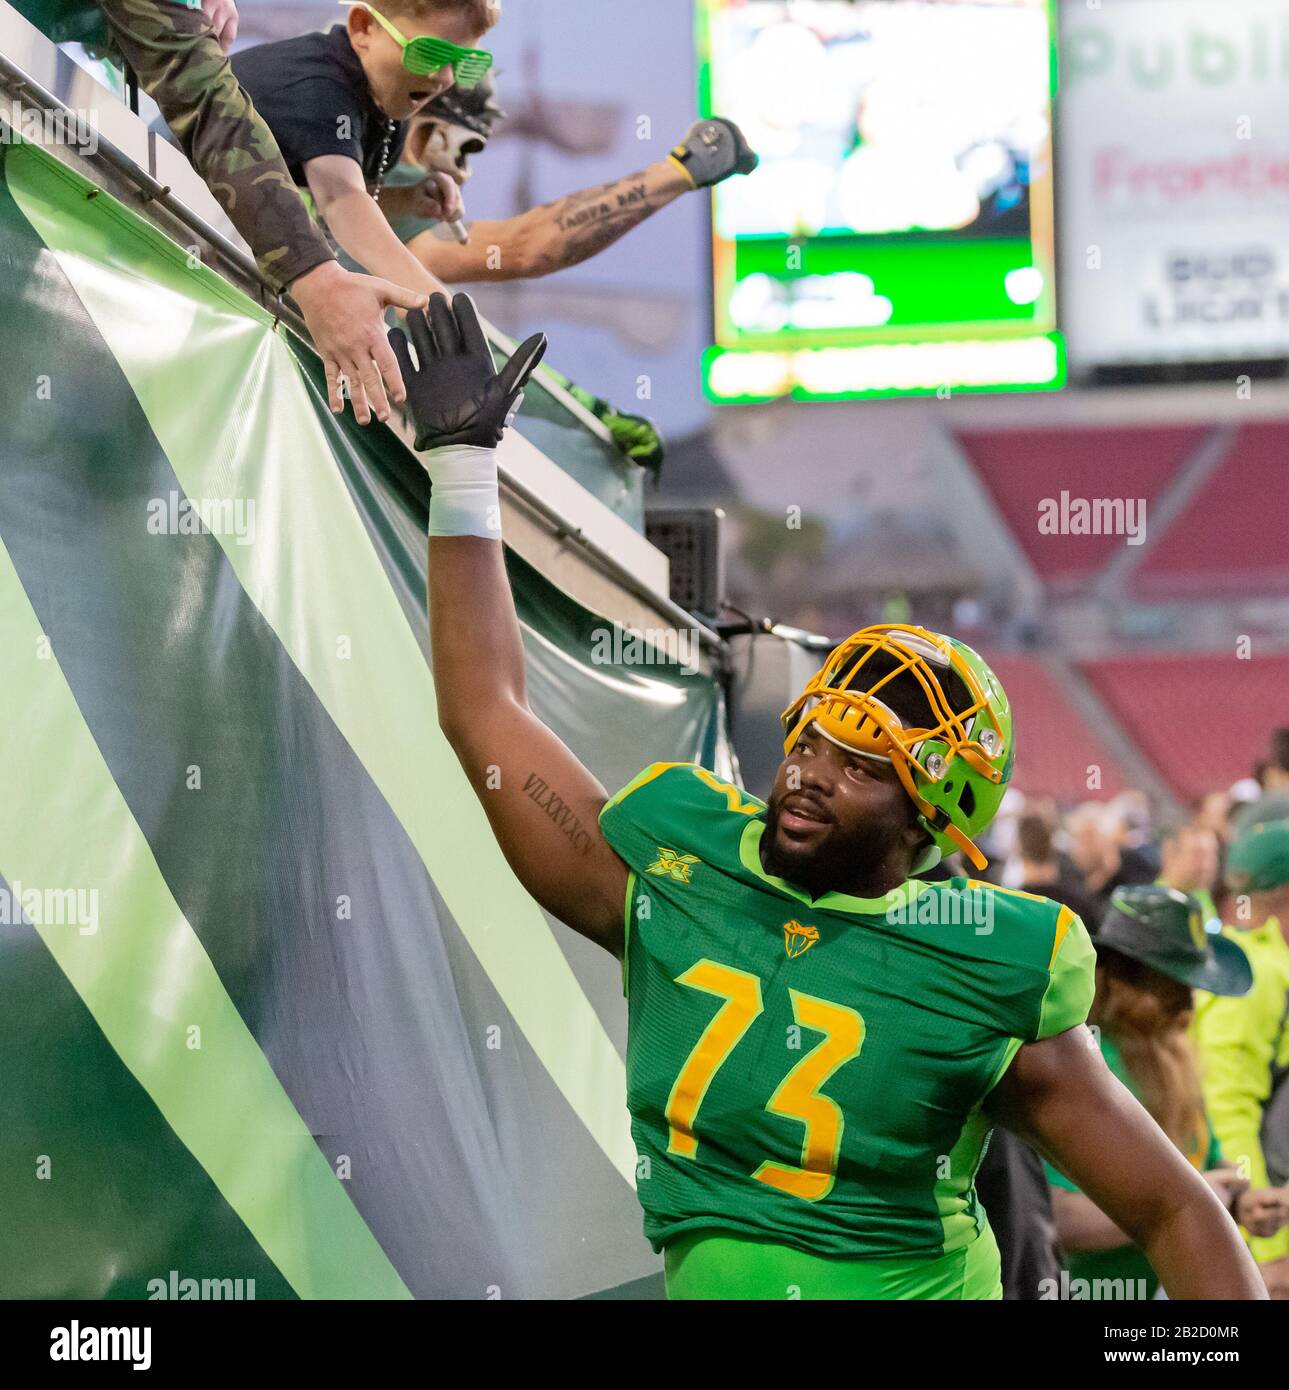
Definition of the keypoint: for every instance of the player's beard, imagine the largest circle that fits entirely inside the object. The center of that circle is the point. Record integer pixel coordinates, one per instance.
(840, 861)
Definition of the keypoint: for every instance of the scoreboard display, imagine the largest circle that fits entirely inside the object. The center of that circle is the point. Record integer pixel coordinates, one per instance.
(897, 238)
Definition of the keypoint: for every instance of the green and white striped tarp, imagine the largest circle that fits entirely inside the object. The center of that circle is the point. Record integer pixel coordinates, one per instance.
(272, 1005)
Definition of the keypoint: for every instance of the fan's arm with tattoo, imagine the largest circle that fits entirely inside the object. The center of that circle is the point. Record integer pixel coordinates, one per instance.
(555, 236)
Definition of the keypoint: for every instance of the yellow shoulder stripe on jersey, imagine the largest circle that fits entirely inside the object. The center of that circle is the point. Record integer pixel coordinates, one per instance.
(643, 779)
(1063, 921)
(731, 793)
(1064, 918)
(1012, 892)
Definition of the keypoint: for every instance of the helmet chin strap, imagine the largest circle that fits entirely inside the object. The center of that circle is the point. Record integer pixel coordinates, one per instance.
(978, 860)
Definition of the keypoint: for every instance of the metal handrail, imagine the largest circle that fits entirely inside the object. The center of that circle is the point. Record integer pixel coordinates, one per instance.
(24, 87)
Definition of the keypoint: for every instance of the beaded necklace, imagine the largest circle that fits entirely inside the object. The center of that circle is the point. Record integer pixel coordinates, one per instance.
(390, 128)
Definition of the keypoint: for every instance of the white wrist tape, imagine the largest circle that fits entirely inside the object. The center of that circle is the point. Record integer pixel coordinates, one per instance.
(464, 500)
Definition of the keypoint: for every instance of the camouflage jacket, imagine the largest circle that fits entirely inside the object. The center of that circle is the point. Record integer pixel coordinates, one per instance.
(172, 50)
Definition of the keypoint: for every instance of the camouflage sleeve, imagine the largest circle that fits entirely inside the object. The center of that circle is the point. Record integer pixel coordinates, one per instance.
(178, 61)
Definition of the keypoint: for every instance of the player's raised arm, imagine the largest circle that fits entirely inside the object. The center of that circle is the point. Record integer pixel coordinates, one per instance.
(542, 803)
(1060, 1096)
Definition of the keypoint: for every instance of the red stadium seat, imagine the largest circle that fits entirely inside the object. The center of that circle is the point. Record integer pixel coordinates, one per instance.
(1020, 468)
(1233, 538)
(1054, 745)
(1202, 719)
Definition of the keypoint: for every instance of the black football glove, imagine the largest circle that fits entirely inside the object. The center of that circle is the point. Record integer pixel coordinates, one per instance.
(712, 150)
(456, 395)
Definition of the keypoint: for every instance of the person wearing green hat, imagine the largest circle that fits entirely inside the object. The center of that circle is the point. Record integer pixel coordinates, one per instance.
(1153, 952)
(1244, 1042)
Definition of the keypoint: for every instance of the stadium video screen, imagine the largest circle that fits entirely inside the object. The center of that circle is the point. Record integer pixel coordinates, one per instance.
(898, 235)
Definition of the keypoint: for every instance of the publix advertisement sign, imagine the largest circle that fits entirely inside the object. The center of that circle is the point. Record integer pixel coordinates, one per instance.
(1174, 168)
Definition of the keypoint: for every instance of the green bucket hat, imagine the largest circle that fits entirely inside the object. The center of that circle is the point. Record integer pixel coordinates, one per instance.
(1165, 929)
(1259, 859)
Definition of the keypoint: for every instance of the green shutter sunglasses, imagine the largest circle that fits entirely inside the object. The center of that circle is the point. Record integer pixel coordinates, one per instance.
(425, 55)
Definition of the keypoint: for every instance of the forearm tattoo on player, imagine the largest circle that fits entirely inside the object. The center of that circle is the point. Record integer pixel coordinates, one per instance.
(559, 811)
(595, 218)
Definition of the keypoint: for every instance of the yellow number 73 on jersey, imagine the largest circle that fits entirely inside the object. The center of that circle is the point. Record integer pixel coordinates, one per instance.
(798, 1094)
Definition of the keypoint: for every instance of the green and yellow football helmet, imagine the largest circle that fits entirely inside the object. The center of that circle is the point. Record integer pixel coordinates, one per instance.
(957, 766)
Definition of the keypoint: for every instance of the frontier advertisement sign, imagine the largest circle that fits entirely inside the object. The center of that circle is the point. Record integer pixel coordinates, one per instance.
(1174, 167)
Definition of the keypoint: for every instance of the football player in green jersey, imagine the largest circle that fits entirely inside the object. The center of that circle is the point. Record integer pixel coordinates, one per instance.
(819, 1040)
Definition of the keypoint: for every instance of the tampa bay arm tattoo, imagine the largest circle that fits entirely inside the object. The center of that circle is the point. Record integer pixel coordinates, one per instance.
(559, 811)
(596, 217)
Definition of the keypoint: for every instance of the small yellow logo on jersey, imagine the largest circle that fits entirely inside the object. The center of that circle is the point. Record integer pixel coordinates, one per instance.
(669, 864)
(797, 940)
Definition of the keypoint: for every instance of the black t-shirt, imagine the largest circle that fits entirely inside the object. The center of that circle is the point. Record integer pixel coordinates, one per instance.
(1012, 1187)
(313, 95)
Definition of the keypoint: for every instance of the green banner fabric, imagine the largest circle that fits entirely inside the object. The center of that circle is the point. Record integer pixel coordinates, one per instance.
(275, 1011)
(66, 21)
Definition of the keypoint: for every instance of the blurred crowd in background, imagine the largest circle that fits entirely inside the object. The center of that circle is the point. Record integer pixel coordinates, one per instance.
(1168, 904)
(1080, 854)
